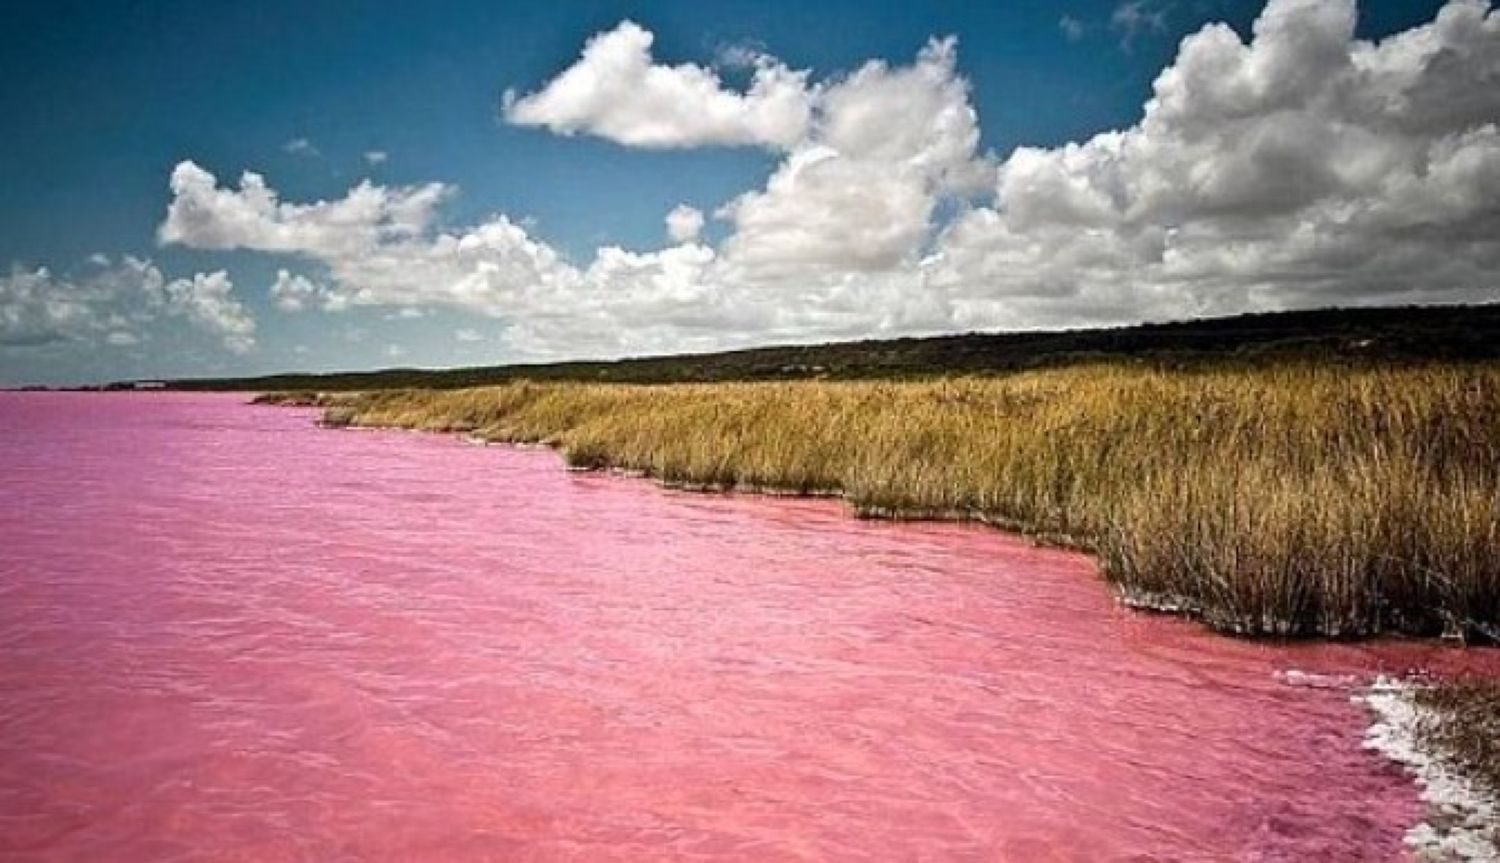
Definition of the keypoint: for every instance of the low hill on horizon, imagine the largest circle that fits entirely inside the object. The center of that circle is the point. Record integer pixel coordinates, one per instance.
(1393, 334)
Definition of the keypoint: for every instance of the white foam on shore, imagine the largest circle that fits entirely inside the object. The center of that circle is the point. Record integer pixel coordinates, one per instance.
(1463, 821)
(1309, 680)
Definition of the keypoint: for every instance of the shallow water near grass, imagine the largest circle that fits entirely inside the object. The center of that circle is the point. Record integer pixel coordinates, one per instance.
(226, 633)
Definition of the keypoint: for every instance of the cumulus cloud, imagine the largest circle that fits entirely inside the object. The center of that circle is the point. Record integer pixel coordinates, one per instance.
(376, 157)
(205, 216)
(1298, 167)
(617, 90)
(1072, 28)
(206, 301)
(117, 304)
(36, 310)
(684, 223)
(1303, 167)
(294, 293)
(859, 194)
(823, 247)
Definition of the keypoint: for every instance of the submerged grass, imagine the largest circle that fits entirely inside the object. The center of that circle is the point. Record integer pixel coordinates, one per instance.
(1292, 499)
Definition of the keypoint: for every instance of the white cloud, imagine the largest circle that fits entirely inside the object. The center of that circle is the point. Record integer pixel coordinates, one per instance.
(821, 252)
(467, 335)
(377, 242)
(205, 216)
(617, 90)
(300, 147)
(206, 301)
(1072, 28)
(37, 309)
(295, 293)
(741, 55)
(1296, 169)
(684, 223)
(376, 157)
(1301, 168)
(117, 304)
(859, 195)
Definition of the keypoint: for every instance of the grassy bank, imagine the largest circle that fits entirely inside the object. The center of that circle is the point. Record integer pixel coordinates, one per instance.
(1295, 499)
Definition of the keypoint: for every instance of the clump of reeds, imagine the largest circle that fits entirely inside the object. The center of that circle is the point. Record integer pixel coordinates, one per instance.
(296, 398)
(1464, 724)
(1292, 499)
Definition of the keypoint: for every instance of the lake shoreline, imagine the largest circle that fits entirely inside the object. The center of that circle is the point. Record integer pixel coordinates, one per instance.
(1299, 500)
(1429, 719)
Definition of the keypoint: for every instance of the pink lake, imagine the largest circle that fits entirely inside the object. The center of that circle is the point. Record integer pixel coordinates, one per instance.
(228, 634)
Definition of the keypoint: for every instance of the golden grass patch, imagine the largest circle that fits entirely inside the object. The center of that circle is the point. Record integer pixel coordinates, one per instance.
(1300, 498)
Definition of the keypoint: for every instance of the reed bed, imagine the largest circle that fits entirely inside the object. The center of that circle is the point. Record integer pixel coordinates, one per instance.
(1294, 499)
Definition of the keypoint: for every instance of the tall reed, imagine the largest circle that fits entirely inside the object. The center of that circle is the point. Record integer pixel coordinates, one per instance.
(1291, 499)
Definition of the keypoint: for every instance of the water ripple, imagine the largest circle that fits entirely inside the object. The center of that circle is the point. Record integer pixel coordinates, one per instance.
(226, 633)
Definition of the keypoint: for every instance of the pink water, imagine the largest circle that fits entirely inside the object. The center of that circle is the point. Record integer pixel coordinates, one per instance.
(228, 634)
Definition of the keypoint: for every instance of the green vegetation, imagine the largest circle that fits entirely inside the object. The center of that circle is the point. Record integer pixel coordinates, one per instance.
(1289, 498)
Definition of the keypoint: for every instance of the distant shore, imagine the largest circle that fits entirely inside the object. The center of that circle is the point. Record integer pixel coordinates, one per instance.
(1388, 335)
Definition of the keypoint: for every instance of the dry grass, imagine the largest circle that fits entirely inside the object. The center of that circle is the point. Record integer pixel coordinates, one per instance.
(1295, 499)
(1466, 726)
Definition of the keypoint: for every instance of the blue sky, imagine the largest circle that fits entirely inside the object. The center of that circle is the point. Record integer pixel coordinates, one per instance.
(101, 101)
